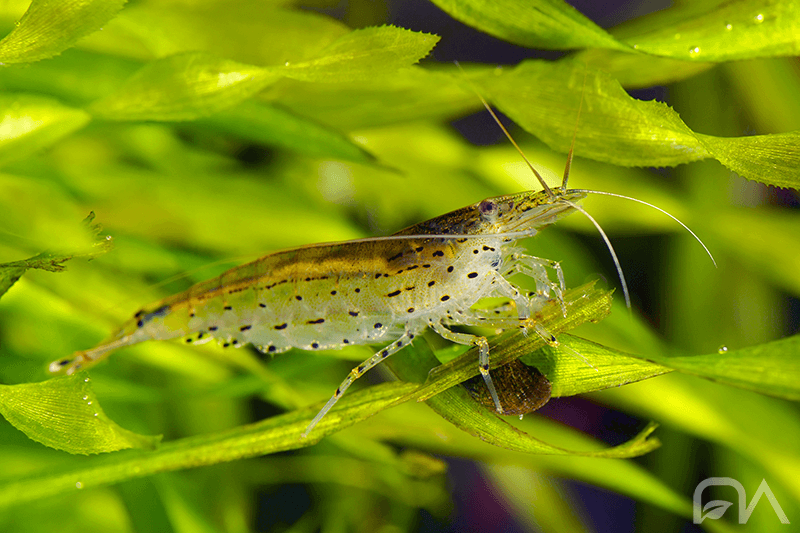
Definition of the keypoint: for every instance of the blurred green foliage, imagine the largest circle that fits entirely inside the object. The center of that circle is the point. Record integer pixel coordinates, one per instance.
(210, 133)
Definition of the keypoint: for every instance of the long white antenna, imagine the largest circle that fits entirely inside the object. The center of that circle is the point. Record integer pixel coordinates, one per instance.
(684, 226)
(610, 249)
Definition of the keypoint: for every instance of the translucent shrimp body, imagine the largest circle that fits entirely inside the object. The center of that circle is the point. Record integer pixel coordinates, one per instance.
(366, 291)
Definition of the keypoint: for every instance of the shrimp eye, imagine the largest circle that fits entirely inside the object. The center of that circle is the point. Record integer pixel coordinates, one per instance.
(488, 208)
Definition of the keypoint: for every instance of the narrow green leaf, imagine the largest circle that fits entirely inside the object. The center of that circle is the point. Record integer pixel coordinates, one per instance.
(544, 98)
(49, 27)
(247, 32)
(183, 87)
(549, 24)
(772, 368)
(63, 413)
(718, 30)
(30, 123)
(279, 433)
(579, 366)
(52, 262)
(771, 159)
(274, 126)
(688, 31)
(458, 407)
(364, 54)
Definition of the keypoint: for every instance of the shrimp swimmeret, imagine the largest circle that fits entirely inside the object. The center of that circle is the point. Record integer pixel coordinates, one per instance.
(374, 290)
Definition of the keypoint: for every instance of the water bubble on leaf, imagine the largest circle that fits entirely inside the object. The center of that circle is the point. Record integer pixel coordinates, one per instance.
(78, 485)
(694, 51)
(758, 19)
(722, 349)
(728, 26)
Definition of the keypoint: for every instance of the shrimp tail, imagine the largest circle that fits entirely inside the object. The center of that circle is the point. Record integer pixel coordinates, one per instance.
(86, 358)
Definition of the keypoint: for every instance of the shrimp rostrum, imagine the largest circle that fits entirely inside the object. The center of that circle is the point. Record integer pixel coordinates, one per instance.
(367, 291)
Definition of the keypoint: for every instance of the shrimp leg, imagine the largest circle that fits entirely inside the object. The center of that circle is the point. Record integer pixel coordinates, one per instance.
(359, 371)
(483, 346)
(535, 268)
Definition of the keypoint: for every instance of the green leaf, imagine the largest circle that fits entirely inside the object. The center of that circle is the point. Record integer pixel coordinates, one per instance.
(63, 413)
(457, 406)
(364, 54)
(52, 262)
(544, 98)
(183, 87)
(247, 32)
(688, 31)
(717, 30)
(550, 24)
(772, 368)
(30, 123)
(49, 27)
(771, 159)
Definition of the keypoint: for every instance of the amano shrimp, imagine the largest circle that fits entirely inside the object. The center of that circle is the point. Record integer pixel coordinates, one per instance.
(375, 290)
(366, 291)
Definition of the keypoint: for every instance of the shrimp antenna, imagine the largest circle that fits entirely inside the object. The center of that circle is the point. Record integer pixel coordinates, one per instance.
(568, 166)
(610, 249)
(510, 138)
(684, 226)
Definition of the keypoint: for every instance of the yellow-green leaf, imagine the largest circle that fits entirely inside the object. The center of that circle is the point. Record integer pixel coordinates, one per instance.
(772, 368)
(550, 24)
(364, 54)
(544, 98)
(183, 87)
(717, 30)
(63, 413)
(51, 26)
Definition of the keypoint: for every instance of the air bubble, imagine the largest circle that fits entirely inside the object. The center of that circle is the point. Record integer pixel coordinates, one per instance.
(85, 397)
(694, 51)
(728, 26)
(758, 19)
(78, 485)
(722, 349)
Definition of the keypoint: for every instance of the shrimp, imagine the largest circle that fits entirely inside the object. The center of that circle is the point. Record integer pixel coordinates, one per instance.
(365, 291)
(374, 290)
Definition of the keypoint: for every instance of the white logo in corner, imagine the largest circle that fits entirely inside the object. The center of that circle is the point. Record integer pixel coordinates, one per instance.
(716, 508)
